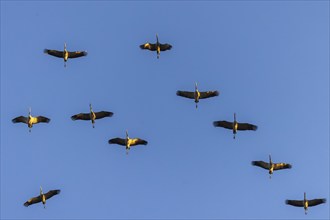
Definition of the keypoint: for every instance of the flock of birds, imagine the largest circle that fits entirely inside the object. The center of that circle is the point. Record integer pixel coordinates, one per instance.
(128, 142)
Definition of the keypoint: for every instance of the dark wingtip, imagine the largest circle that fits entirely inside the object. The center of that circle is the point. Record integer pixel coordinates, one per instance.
(46, 51)
(289, 166)
(58, 191)
(215, 123)
(85, 53)
(145, 142)
(253, 163)
(26, 204)
(142, 46)
(216, 93)
(73, 117)
(286, 201)
(110, 141)
(324, 200)
(254, 127)
(170, 46)
(178, 92)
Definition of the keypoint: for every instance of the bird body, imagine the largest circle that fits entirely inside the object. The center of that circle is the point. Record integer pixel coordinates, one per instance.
(30, 120)
(235, 126)
(156, 47)
(128, 142)
(305, 203)
(65, 54)
(197, 95)
(91, 115)
(42, 197)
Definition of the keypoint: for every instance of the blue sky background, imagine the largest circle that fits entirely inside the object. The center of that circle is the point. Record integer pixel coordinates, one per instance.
(268, 59)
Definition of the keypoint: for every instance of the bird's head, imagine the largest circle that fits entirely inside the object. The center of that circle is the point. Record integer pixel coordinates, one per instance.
(196, 88)
(234, 116)
(126, 134)
(41, 190)
(270, 159)
(157, 37)
(64, 46)
(29, 112)
(90, 107)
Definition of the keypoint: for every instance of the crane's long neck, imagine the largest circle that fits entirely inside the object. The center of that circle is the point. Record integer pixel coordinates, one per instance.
(90, 108)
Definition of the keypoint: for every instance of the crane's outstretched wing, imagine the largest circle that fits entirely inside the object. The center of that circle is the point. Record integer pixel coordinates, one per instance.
(148, 46)
(208, 94)
(280, 166)
(119, 141)
(246, 126)
(42, 119)
(52, 193)
(81, 116)
(32, 201)
(224, 124)
(164, 47)
(298, 203)
(76, 54)
(314, 202)
(186, 94)
(137, 141)
(54, 53)
(21, 119)
(103, 114)
(261, 164)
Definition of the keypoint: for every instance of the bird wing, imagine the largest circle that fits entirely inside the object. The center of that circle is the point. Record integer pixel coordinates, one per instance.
(279, 166)
(164, 47)
(261, 164)
(81, 116)
(246, 126)
(298, 203)
(137, 141)
(148, 46)
(76, 54)
(42, 119)
(54, 53)
(52, 193)
(189, 95)
(119, 141)
(32, 201)
(224, 124)
(314, 202)
(103, 114)
(208, 94)
(20, 119)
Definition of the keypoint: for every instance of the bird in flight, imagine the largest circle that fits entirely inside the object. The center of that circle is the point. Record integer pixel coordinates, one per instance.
(271, 166)
(235, 126)
(42, 197)
(128, 142)
(30, 120)
(91, 115)
(197, 95)
(65, 54)
(305, 203)
(156, 47)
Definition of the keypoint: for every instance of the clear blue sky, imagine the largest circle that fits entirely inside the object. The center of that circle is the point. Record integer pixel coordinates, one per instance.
(268, 59)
